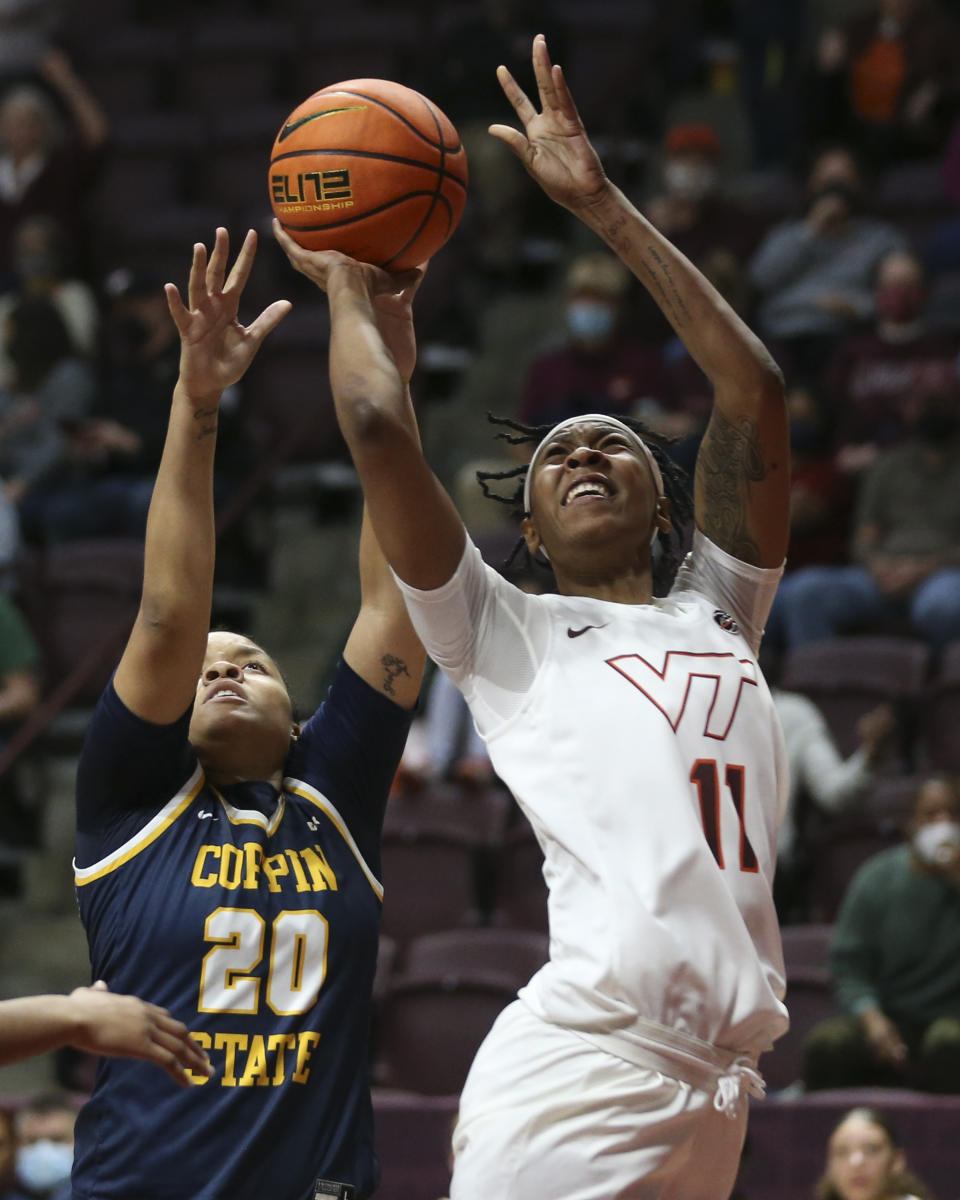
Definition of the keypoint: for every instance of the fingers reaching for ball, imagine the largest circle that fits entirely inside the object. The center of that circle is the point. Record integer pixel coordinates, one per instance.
(320, 265)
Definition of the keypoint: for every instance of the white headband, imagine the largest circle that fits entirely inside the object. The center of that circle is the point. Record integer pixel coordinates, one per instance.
(570, 421)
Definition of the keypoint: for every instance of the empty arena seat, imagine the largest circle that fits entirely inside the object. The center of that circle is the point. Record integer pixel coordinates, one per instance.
(514, 952)
(429, 1026)
(805, 946)
(412, 1140)
(521, 891)
(940, 729)
(847, 676)
(809, 1000)
(840, 849)
(433, 849)
(79, 596)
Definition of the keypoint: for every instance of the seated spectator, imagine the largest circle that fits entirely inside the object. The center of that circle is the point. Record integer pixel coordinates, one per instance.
(40, 269)
(906, 543)
(597, 368)
(821, 495)
(691, 208)
(45, 167)
(865, 1161)
(103, 488)
(821, 776)
(875, 378)
(45, 1146)
(886, 80)
(814, 274)
(895, 961)
(50, 391)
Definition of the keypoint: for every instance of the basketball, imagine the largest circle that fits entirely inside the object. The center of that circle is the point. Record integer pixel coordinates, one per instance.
(370, 168)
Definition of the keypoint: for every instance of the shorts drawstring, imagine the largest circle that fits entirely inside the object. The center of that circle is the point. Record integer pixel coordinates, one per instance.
(739, 1077)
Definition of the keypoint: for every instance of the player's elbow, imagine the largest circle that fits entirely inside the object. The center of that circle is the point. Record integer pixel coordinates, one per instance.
(368, 413)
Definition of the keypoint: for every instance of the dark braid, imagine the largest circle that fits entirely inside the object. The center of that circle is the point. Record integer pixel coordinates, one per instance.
(670, 546)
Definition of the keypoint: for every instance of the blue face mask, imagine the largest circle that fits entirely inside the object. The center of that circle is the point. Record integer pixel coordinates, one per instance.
(590, 320)
(44, 1166)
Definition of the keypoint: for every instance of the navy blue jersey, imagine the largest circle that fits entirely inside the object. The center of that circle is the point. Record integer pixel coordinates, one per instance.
(253, 916)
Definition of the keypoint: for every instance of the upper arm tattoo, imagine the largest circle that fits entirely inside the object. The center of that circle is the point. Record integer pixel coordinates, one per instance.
(392, 667)
(728, 462)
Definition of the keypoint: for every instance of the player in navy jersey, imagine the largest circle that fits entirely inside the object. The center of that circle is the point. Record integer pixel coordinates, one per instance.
(227, 861)
(630, 721)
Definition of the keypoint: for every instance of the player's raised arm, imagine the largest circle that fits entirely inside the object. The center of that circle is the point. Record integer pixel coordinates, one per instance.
(417, 525)
(160, 666)
(742, 474)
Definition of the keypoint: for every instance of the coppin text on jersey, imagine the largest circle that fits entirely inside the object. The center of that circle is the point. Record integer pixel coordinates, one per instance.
(245, 867)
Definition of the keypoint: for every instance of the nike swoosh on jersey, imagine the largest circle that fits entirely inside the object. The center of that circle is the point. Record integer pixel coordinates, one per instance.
(572, 633)
(291, 126)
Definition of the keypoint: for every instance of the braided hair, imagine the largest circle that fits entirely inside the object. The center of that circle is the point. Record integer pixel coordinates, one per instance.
(669, 547)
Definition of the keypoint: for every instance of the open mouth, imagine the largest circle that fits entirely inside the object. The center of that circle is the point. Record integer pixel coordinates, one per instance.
(224, 694)
(586, 490)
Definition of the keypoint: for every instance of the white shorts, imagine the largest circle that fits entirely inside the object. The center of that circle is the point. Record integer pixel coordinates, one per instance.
(546, 1115)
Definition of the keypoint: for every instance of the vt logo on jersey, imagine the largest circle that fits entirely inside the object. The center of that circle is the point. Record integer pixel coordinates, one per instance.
(668, 687)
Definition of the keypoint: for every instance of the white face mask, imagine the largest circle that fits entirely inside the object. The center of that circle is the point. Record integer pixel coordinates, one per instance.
(43, 1166)
(937, 842)
(690, 180)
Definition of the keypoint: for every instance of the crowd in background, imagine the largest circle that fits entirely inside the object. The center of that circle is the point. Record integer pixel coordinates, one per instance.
(805, 155)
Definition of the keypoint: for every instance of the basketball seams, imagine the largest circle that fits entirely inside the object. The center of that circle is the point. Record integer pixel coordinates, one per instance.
(395, 158)
(316, 183)
(436, 191)
(371, 212)
(440, 145)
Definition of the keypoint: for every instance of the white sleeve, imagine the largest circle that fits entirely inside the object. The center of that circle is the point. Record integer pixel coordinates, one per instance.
(744, 591)
(484, 633)
(832, 781)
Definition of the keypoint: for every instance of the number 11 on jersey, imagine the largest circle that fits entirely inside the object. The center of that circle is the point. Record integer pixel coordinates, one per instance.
(706, 775)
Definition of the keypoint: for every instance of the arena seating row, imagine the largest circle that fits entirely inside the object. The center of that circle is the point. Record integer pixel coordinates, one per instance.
(783, 1159)
(438, 994)
(76, 591)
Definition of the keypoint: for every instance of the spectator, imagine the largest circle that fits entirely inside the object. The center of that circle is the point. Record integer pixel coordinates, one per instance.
(51, 390)
(45, 1146)
(44, 167)
(40, 269)
(597, 369)
(906, 543)
(821, 776)
(691, 209)
(876, 378)
(865, 1161)
(895, 960)
(886, 80)
(814, 274)
(104, 488)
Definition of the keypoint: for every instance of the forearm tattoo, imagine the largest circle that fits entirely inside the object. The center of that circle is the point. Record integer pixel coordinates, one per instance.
(207, 419)
(728, 462)
(393, 668)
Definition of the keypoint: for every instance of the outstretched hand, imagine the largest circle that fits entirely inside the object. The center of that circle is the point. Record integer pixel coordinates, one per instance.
(554, 146)
(127, 1027)
(390, 293)
(215, 349)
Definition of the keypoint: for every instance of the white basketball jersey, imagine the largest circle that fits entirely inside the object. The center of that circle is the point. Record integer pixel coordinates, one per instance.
(642, 743)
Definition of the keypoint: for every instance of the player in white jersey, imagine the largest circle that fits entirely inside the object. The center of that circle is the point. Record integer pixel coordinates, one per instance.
(636, 733)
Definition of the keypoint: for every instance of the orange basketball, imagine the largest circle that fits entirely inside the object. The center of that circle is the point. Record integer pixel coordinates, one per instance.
(370, 168)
